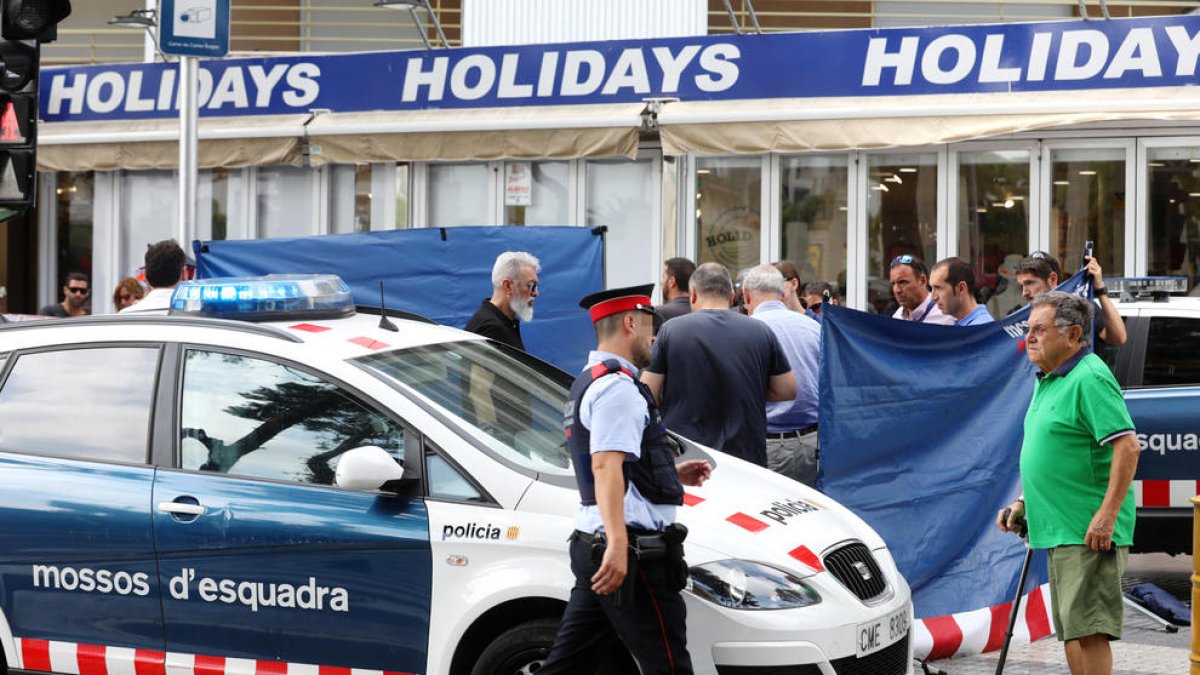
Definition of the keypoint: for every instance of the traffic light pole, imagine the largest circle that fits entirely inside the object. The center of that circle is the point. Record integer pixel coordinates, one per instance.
(189, 70)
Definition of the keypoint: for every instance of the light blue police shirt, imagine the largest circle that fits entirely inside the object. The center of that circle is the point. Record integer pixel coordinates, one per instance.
(615, 414)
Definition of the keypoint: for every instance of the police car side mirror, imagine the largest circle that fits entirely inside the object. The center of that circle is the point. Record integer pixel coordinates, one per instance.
(367, 468)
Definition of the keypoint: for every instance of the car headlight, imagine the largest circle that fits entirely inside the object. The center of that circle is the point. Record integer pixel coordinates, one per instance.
(741, 584)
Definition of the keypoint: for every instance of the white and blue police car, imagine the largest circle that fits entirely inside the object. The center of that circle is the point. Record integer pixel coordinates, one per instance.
(309, 493)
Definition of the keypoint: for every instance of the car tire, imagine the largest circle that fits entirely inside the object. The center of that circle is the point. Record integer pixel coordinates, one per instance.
(520, 651)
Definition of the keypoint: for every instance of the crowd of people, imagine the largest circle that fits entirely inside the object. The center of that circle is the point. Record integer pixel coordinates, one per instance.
(735, 366)
(166, 264)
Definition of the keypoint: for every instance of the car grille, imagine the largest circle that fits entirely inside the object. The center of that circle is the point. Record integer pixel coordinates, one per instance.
(891, 660)
(855, 567)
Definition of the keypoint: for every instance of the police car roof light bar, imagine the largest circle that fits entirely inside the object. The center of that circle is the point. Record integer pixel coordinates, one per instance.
(1156, 287)
(275, 297)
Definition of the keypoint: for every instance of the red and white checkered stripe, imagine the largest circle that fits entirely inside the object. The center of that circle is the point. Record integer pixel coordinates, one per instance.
(1165, 493)
(79, 659)
(982, 630)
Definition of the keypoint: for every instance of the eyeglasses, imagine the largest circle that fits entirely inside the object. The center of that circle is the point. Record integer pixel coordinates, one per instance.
(76, 289)
(905, 259)
(1040, 330)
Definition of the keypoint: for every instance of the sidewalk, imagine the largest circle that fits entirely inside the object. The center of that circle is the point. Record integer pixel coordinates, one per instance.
(1145, 648)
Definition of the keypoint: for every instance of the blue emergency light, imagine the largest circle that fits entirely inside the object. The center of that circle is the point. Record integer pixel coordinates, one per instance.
(275, 297)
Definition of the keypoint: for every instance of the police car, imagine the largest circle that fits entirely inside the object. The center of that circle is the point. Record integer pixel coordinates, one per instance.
(1159, 370)
(324, 491)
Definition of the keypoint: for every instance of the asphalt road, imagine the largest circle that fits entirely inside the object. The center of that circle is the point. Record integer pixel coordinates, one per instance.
(1145, 648)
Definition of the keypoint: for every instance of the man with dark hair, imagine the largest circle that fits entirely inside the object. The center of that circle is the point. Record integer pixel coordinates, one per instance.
(814, 295)
(677, 272)
(910, 285)
(629, 489)
(77, 288)
(1078, 457)
(953, 283)
(166, 266)
(714, 370)
(793, 285)
(1039, 273)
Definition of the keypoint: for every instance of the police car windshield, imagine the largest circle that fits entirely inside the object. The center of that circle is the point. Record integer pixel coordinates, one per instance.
(506, 401)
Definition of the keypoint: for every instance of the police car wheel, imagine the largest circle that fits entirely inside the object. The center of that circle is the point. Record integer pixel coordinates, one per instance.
(519, 650)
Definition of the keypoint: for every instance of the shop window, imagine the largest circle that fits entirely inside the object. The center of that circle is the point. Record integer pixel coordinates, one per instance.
(459, 194)
(1088, 204)
(993, 223)
(148, 214)
(401, 197)
(285, 202)
(74, 196)
(537, 193)
(1174, 213)
(621, 195)
(220, 202)
(728, 211)
(901, 218)
(813, 217)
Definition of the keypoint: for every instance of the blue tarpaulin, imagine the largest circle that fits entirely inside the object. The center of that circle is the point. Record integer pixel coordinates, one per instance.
(440, 273)
(921, 429)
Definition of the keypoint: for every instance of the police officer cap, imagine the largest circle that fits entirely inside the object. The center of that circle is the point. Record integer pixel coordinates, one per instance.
(617, 300)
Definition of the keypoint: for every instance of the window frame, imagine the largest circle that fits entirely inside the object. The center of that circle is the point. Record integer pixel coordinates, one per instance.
(170, 450)
(15, 355)
(1138, 369)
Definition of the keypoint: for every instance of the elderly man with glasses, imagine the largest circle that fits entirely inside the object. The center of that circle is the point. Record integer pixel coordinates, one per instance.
(910, 285)
(1078, 457)
(76, 291)
(514, 289)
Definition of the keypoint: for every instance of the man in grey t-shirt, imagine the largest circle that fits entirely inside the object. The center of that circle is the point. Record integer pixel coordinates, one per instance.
(712, 371)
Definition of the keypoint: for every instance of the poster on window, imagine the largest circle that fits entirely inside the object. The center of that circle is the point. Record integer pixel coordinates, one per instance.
(518, 184)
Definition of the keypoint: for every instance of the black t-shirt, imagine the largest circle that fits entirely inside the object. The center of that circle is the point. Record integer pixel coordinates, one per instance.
(489, 321)
(55, 310)
(717, 364)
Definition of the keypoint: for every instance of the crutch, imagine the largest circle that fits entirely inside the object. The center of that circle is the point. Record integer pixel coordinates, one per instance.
(1023, 532)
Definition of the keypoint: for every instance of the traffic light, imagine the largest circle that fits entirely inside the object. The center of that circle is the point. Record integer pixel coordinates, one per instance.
(24, 25)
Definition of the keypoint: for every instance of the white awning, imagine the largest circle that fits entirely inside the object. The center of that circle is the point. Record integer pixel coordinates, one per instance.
(800, 125)
(154, 144)
(532, 132)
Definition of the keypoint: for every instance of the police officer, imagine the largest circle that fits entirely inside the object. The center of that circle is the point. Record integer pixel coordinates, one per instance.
(626, 551)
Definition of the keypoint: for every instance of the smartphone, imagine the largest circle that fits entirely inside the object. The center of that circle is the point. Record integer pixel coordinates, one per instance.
(1087, 252)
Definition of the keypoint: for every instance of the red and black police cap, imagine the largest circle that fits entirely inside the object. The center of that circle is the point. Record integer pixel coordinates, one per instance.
(617, 300)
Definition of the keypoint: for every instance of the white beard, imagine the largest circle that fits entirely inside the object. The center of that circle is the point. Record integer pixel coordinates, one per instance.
(522, 308)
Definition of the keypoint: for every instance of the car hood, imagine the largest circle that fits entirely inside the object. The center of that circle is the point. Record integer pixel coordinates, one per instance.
(746, 511)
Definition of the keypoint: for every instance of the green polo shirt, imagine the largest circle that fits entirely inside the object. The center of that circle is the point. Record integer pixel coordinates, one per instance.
(1076, 413)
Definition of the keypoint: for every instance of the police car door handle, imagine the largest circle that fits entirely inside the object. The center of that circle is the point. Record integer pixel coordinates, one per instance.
(181, 509)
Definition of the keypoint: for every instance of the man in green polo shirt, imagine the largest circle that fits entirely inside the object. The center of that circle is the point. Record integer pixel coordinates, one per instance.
(1077, 463)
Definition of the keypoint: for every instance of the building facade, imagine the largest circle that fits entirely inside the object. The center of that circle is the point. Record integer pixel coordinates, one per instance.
(983, 141)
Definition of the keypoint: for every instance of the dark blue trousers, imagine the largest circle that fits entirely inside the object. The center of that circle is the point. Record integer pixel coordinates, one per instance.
(653, 629)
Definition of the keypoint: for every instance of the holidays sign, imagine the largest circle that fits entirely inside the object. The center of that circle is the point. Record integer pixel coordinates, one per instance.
(1150, 52)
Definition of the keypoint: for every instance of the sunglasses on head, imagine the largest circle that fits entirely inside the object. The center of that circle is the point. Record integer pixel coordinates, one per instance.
(1040, 255)
(905, 259)
(76, 289)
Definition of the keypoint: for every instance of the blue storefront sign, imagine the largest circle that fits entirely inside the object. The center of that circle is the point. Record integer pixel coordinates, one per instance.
(1149, 52)
(194, 27)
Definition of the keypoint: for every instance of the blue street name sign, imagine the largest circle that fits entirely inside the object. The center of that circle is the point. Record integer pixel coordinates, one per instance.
(194, 27)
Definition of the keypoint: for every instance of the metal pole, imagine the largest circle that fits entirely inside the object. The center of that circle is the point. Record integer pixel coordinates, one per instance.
(189, 69)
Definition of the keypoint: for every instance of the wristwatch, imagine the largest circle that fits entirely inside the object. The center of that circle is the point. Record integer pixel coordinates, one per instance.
(1099, 291)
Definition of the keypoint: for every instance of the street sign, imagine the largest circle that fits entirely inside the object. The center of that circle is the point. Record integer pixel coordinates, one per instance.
(194, 27)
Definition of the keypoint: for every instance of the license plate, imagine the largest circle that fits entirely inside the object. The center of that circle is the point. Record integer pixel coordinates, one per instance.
(875, 635)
